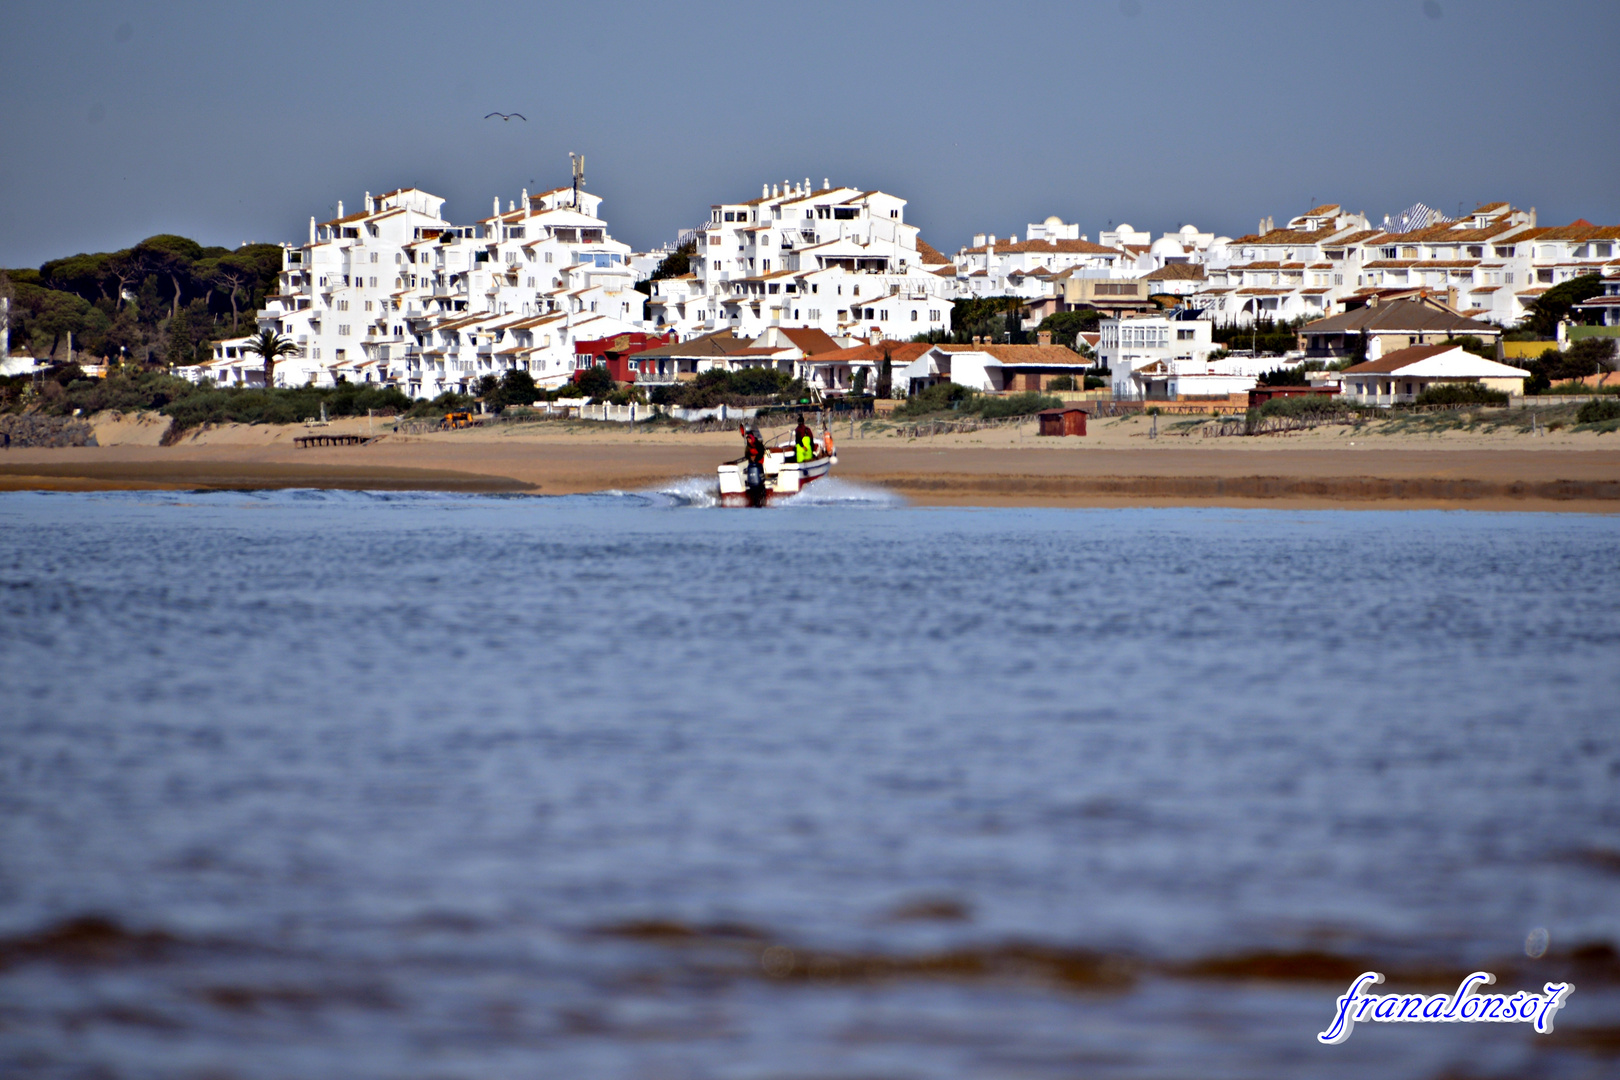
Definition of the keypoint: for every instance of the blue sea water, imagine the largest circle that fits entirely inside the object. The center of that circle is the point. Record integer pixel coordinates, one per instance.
(352, 785)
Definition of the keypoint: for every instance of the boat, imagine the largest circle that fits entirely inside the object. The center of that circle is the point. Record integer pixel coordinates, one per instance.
(781, 475)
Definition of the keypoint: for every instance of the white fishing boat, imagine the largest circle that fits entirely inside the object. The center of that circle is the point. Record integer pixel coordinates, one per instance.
(776, 477)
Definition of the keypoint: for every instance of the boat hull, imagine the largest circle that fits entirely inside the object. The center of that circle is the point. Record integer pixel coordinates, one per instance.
(782, 478)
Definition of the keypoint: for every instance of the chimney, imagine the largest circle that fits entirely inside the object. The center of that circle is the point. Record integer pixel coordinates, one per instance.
(525, 198)
(510, 206)
(1043, 337)
(371, 207)
(825, 183)
(765, 191)
(775, 192)
(807, 185)
(978, 239)
(340, 208)
(497, 211)
(977, 340)
(312, 228)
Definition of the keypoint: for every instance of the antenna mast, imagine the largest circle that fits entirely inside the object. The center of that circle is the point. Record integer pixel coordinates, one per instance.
(578, 164)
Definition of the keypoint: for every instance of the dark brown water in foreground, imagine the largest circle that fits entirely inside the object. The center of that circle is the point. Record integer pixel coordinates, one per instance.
(346, 785)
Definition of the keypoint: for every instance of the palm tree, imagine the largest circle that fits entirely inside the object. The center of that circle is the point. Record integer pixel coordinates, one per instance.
(272, 347)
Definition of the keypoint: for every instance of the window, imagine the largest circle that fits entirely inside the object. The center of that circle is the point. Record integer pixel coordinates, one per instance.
(913, 314)
(933, 315)
(371, 282)
(373, 256)
(343, 305)
(343, 330)
(548, 256)
(845, 213)
(883, 314)
(1184, 335)
(368, 305)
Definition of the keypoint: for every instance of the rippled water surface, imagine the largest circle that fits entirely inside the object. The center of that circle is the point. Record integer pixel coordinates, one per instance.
(340, 785)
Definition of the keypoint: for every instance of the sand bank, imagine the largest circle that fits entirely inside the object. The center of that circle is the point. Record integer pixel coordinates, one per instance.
(1116, 465)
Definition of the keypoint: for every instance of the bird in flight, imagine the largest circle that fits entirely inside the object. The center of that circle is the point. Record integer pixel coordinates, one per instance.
(509, 116)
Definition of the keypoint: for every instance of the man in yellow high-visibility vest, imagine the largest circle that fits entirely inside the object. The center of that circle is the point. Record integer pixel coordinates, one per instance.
(804, 441)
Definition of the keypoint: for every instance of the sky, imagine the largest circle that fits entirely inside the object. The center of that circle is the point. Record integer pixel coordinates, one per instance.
(236, 122)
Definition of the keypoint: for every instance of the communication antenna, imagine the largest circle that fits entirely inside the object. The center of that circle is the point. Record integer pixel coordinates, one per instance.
(578, 164)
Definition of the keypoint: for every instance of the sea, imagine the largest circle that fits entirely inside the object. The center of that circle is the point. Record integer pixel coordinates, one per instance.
(360, 785)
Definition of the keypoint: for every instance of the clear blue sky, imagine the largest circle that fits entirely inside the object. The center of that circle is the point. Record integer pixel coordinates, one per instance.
(237, 121)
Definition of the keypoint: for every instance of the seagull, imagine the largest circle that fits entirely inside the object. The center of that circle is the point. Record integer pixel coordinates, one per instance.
(508, 116)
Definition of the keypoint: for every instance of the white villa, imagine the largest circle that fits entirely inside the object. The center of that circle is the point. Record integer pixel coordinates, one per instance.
(1403, 374)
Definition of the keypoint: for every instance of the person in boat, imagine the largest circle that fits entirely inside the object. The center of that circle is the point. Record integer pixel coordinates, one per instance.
(804, 441)
(753, 445)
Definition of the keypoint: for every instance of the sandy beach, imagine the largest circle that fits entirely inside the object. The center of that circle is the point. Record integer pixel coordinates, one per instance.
(1116, 464)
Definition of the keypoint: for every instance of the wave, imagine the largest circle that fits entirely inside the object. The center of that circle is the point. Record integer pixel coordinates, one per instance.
(743, 951)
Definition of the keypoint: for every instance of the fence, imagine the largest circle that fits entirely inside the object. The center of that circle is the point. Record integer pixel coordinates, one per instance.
(959, 427)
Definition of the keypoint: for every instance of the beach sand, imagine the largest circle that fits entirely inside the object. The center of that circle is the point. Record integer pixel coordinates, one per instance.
(1116, 464)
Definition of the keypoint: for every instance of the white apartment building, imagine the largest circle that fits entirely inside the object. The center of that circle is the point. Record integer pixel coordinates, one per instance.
(1487, 265)
(1052, 251)
(397, 295)
(1143, 352)
(838, 259)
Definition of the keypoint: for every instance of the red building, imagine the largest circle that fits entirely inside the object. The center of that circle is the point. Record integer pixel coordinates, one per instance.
(1065, 421)
(616, 352)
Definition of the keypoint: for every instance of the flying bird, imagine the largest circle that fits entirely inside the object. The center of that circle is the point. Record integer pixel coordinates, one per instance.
(509, 116)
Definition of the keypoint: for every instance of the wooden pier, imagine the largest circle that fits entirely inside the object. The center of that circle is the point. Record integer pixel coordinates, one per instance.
(304, 442)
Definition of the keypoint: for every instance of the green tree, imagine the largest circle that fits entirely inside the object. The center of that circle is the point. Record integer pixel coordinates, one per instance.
(270, 347)
(179, 350)
(1476, 345)
(169, 256)
(1066, 326)
(516, 388)
(1546, 311)
(858, 386)
(885, 382)
(594, 382)
(86, 276)
(230, 274)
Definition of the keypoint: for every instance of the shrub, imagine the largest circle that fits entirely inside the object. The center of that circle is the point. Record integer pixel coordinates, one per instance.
(1305, 405)
(1062, 382)
(1468, 393)
(1014, 405)
(1598, 410)
(937, 398)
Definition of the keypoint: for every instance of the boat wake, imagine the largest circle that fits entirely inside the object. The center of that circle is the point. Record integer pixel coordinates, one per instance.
(702, 491)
